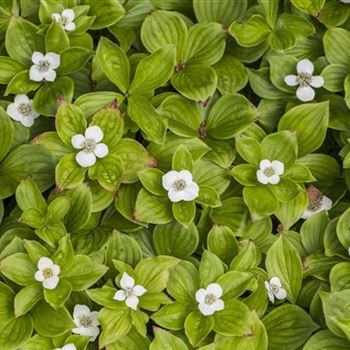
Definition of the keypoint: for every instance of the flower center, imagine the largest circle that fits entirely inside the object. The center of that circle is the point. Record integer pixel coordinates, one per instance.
(304, 79)
(210, 299)
(180, 185)
(47, 272)
(85, 321)
(24, 109)
(274, 289)
(269, 171)
(129, 292)
(43, 66)
(89, 145)
(64, 20)
(315, 205)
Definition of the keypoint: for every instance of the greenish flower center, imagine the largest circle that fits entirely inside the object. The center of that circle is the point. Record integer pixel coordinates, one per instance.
(47, 273)
(85, 321)
(24, 109)
(210, 299)
(129, 292)
(43, 66)
(269, 171)
(315, 205)
(89, 145)
(180, 185)
(304, 79)
(274, 289)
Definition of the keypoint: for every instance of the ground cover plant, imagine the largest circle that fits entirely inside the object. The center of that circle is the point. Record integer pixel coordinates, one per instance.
(174, 174)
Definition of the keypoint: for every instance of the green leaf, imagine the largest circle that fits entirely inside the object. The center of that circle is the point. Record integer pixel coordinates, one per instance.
(290, 212)
(288, 326)
(48, 96)
(208, 196)
(312, 232)
(108, 14)
(196, 82)
(21, 84)
(326, 340)
(336, 313)
(230, 115)
(260, 201)
(134, 157)
(182, 159)
(197, 327)
(16, 166)
(70, 120)
(222, 242)
(231, 73)
(183, 284)
(257, 339)
(114, 63)
(335, 42)
(80, 208)
(184, 116)
(166, 340)
(26, 298)
(43, 314)
(20, 39)
(16, 332)
(83, 272)
(6, 133)
(154, 71)
(206, 43)
(18, 268)
(284, 262)
(304, 120)
(152, 209)
(69, 174)
(175, 239)
(56, 38)
(142, 112)
(223, 11)
(233, 320)
(171, 316)
(153, 273)
(115, 325)
(184, 212)
(110, 172)
(28, 196)
(281, 39)
(311, 7)
(161, 28)
(73, 59)
(9, 68)
(58, 296)
(210, 268)
(151, 179)
(343, 229)
(250, 33)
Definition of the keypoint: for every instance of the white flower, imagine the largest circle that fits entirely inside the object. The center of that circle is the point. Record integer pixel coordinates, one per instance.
(67, 347)
(47, 273)
(345, 1)
(275, 290)
(44, 66)
(90, 146)
(209, 299)
(86, 322)
(269, 172)
(316, 206)
(22, 110)
(129, 292)
(305, 80)
(66, 18)
(180, 185)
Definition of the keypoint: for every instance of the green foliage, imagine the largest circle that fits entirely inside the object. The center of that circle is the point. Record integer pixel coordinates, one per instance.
(177, 169)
